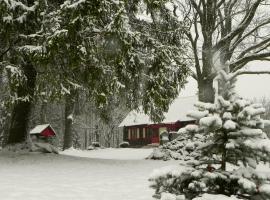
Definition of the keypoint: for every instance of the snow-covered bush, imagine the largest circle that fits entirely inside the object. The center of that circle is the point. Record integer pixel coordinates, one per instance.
(160, 153)
(124, 144)
(19, 147)
(181, 148)
(95, 144)
(91, 148)
(226, 162)
(44, 148)
(26, 147)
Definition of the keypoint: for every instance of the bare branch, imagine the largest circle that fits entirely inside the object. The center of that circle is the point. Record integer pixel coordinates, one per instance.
(193, 75)
(242, 61)
(260, 44)
(197, 7)
(194, 46)
(240, 39)
(221, 23)
(242, 26)
(243, 72)
(220, 3)
(262, 48)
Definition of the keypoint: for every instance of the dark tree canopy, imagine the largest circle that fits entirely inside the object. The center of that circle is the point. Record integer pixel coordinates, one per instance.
(95, 47)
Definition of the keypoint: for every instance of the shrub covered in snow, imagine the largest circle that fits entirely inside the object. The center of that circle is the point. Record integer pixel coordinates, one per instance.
(32, 147)
(124, 144)
(182, 148)
(20, 147)
(91, 148)
(232, 128)
(44, 148)
(95, 144)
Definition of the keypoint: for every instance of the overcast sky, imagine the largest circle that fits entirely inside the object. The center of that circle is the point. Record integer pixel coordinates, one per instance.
(248, 86)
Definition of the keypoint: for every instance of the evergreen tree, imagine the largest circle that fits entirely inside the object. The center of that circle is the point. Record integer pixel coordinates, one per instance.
(235, 144)
(19, 21)
(63, 48)
(106, 56)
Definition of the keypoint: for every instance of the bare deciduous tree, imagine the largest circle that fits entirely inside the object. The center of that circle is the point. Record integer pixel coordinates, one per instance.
(238, 29)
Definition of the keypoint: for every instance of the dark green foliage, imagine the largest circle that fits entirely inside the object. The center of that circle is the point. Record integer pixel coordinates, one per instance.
(92, 46)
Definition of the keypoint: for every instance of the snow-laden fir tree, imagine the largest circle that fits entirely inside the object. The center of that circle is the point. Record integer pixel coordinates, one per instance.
(236, 144)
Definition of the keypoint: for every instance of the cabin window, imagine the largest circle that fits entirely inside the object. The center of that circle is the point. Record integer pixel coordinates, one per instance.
(138, 133)
(143, 133)
(129, 134)
(149, 132)
(133, 133)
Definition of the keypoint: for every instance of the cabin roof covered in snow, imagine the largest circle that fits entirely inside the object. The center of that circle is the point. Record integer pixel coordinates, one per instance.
(40, 128)
(177, 112)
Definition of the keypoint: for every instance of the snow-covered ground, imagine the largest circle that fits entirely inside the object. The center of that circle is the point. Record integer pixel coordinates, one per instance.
(112, 153)
(108, 174)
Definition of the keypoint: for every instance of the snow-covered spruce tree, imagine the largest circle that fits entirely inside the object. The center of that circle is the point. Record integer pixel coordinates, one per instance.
(226, 163)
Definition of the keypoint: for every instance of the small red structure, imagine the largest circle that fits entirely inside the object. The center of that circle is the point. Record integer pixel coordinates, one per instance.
(42, 131)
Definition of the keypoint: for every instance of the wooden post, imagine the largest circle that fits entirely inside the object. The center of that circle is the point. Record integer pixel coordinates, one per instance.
(86, 138)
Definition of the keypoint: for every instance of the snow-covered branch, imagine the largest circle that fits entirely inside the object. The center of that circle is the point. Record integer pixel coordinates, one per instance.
(243, 72)
(254, 47)
(242, 61)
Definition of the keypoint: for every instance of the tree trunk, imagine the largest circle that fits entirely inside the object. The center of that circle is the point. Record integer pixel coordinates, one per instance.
(206, 90)
(22, 109)
(86, 139)
(43, 110)
(69, 110)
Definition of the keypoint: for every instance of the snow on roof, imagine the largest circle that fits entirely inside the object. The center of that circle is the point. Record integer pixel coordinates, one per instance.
(177, 112)
(40, 128)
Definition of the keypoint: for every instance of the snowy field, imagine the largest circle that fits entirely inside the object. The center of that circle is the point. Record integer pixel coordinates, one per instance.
(112, 153)
(108, 174)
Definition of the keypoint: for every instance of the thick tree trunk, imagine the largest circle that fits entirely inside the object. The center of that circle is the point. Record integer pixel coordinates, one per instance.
(205, 80)
(69, 110)
(18, 130)
(206, 90)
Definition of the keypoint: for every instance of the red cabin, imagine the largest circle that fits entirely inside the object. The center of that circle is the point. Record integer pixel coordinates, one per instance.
(140, 130)
(41, 132)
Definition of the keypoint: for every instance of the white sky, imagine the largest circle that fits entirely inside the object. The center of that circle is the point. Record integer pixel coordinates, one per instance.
(248, 86)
